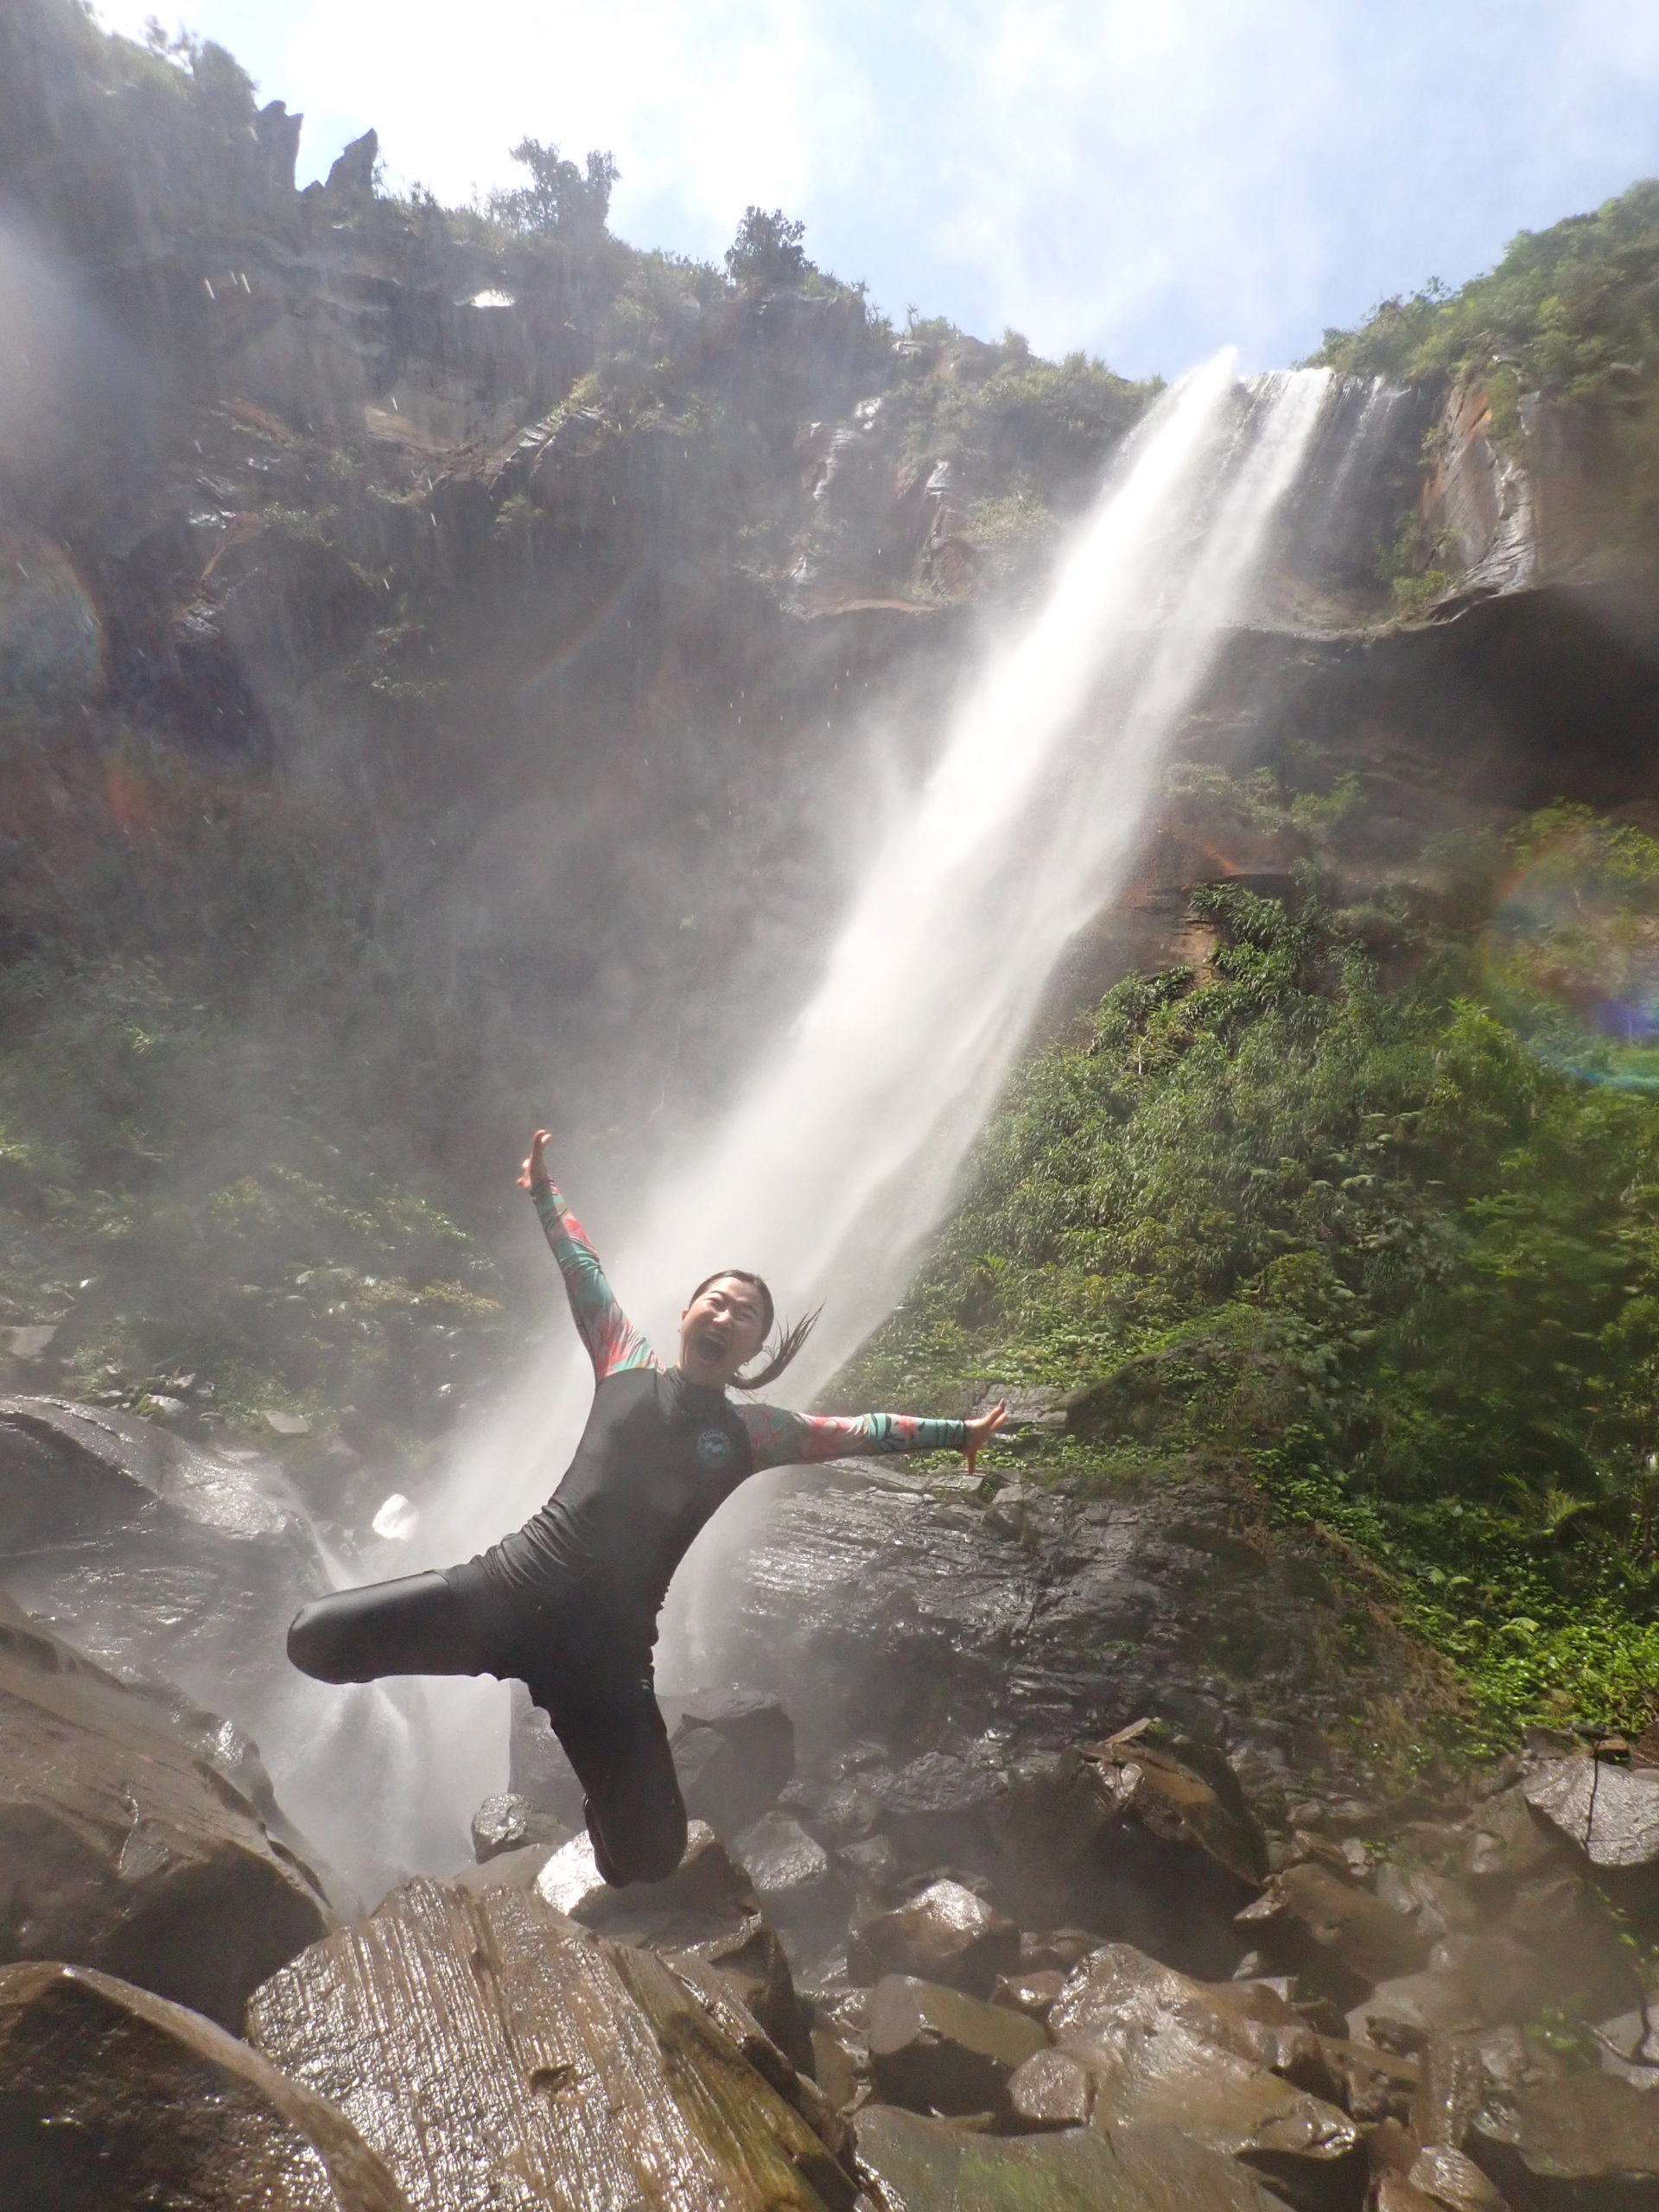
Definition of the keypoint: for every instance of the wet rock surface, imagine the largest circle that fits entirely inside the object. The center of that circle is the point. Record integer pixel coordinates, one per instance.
(122, 1848)
(110, 2096)
(944, 1934)
(492, 2052)
(936, 2050)
(881, 1608)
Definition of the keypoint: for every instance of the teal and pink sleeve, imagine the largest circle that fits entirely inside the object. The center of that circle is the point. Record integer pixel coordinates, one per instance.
(613, 1343)
(785, 1439)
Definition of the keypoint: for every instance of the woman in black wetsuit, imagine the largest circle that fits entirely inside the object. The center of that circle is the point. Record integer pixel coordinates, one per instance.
(568, 1602)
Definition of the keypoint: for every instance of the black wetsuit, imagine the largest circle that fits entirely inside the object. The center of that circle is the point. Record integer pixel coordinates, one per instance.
(568, 1602)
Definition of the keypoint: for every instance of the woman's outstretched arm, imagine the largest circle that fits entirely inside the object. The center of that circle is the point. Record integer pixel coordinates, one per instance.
(612, 1342)
(778, 1439)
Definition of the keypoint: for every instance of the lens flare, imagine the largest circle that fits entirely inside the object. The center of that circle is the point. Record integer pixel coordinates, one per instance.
(1571, 955)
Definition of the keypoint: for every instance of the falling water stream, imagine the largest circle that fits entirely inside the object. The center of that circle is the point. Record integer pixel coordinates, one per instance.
(840, 1153)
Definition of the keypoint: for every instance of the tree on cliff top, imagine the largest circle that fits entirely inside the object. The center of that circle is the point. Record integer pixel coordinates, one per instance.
(767, 253)
(560, 200)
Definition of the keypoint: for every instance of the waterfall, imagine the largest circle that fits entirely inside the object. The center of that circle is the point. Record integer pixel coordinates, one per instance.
(840, 1153)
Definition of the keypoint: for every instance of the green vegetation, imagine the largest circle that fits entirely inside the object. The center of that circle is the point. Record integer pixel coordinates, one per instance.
(1571, 314)
(210, 1165)
(1371, 1215)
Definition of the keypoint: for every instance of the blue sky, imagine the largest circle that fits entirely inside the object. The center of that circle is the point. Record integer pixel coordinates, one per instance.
(1145, 179)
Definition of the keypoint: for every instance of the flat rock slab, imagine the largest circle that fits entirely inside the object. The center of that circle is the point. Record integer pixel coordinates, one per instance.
(496, 2054)
(124, 1851)
(937, 2050)
(1611, 1812)
(109, 2096)
(913, 2165)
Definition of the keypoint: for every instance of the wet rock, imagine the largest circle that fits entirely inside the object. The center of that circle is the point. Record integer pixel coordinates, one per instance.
(1505, 1844)
(1630, 2048)
(1159, 2049)
(878, 1609)
(1451, 2087)
(935, 1810)
(841, 2066)
(1118, 1991)
(1402, 2014)
(913, 2165)
(1499, 1975)
(938, 2049)
(1435, 1905)
(1324, 1925)
(1610, 1814)
(792, 1874)
(708, 1894)
(1064, 1948)
(493, 2052)
(508, 1870)
(1131, 2077)
(1585, 2141)
(1033, 1994)
(1128, 1838)
(1170, 1801)
(160, 1560)
(112, 2096)
(944, 1934)
(122, 1850)
(734, 1751)
(1370, 2085)
(1452, 2180)
(717, 1994)
(752, 1961)
(507, 1822)
(1054, 2088)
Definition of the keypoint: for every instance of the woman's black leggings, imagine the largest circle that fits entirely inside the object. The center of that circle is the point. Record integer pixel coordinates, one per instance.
(591, 1684)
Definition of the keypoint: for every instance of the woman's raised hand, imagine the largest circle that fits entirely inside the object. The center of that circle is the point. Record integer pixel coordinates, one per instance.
(534, 1170)
(980, 1431)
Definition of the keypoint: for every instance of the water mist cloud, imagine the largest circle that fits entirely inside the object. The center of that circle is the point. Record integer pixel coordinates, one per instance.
(1147, 182)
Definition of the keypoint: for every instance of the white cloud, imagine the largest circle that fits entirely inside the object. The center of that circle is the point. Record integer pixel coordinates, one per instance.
(1146, 180)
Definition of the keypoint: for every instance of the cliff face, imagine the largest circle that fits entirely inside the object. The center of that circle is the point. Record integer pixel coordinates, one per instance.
(444, 656)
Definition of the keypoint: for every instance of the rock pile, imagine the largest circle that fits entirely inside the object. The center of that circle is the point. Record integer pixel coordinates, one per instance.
(929, 1964)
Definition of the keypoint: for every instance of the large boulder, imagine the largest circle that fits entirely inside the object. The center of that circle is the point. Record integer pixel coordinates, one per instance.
(494, 2052)
(734, 1751)
(1577, 2145)
(122, 1848)
(898, 1608)
(1317, 1922)
(110, 2096)
(160, 1560)
(1126, 1837)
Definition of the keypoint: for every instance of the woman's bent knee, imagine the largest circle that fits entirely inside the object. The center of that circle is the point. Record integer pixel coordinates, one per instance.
(313, 1643)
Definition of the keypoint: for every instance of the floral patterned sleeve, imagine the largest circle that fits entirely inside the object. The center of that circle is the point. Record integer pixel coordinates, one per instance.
(612, 1342)
(784, 1440)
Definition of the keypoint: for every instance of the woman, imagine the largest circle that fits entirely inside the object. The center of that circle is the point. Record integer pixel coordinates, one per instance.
(568, 1602)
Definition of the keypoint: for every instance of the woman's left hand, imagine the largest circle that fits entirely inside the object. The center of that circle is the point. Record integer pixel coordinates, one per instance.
(980, 1431)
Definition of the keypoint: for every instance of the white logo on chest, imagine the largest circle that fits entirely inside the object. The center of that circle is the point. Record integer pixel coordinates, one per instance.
(714, 1447)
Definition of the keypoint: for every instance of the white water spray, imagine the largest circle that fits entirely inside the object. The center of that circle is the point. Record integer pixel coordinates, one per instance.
(842, 1153)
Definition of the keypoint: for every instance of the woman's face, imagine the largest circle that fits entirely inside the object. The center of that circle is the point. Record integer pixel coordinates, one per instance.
(721, 1330)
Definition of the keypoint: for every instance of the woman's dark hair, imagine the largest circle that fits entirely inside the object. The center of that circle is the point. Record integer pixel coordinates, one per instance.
(790, 1340)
